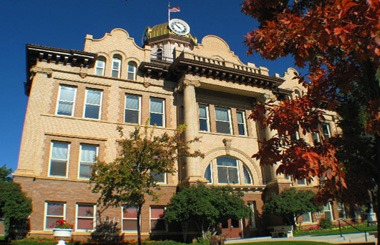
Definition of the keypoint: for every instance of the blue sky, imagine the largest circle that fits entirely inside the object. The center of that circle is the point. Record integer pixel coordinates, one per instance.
(65, 23)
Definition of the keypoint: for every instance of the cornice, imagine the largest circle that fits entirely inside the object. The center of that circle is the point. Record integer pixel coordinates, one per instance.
(74, 58)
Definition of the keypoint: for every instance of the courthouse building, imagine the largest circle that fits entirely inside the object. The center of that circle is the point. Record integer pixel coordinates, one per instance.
(78, 98)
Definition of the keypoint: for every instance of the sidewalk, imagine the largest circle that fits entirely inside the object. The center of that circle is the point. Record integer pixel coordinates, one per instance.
(354, 237)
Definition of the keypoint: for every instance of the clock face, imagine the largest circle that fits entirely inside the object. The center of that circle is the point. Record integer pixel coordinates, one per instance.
(179, 27)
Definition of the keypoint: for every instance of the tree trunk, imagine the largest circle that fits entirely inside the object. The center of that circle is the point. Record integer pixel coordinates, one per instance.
(138, 224)
(377, 148)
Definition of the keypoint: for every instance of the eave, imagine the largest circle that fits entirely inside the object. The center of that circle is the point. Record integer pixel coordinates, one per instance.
(74, 58)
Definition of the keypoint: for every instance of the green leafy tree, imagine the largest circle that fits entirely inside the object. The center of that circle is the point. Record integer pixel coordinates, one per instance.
(206, 207)
(15, 206)
(128, 179)
(5, 174)
(291, 204)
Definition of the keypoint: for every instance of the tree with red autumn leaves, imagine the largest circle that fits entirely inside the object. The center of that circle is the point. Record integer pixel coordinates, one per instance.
(338, 43)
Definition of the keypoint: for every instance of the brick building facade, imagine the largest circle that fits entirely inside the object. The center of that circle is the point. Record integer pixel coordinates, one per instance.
(78, 98)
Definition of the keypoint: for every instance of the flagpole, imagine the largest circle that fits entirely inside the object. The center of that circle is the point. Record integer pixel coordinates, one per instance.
(168, 11)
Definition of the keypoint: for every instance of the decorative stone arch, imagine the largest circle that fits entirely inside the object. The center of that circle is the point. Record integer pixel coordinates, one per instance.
(104, 55)
(238, 154)
(119, 52)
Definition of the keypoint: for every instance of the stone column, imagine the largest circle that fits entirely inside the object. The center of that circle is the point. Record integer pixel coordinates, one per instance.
(193, 170)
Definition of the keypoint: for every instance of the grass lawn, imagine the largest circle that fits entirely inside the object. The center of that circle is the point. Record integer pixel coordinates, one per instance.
(335, 230)
(285, 243)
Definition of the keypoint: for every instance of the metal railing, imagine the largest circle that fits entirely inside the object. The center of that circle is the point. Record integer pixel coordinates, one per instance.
(340, 229)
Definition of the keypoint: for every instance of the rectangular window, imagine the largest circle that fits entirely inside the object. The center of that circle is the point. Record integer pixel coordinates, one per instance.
(223, 122)
(100, 67)
(93, 104)
(315, 137)
(88, 154)
(203, 118)
(341, 210)
(327, 211)
(157, 109)
(157, 223)
(132, 109)
(241, 122)
(66, 100)
(301, 182)
(252, 221)
(160, 178)
(306, 217)
(129, 218)
(54, 211)
(227, 170)
(59, 159)
(85, 216)
(326, 130)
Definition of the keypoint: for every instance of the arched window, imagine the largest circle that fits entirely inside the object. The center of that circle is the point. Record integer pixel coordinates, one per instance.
(229, 171)
(116, 66)
(100, 66)
(297, 93)
(159, 54)
(132, 70)
(247, 175)
(208, 174)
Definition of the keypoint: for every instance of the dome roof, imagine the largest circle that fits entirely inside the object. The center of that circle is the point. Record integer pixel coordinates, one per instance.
(163, 31)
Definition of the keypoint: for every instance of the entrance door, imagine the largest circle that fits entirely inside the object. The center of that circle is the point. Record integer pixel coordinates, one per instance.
(232, 228)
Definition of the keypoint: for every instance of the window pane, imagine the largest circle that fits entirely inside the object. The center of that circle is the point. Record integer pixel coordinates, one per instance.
(88, 153)
(233, 176)
(132, 102)
(203, 118)
(55, 209)
(223, 127)
(130, 212)
(326, 130)
(131, 116)
(156, 105)
(85, 224)
(93, 97)
(59, 150)
(67, 93)
(92, 111)
(58, 168)
(158, 177)
(65, 108)
(247, 176)
(221, 114)
(86, 210)
(241, 128)
(157, 212)
(156, 119)
(240, 117)
(50, 222)
(306, 218)
(129, 225)
(226, 161)
(222, 175)
(207, 174)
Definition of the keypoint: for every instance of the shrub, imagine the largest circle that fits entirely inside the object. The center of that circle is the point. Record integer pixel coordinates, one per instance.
(325, 223)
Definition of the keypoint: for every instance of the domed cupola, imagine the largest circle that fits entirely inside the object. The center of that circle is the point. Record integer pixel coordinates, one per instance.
(164, 38)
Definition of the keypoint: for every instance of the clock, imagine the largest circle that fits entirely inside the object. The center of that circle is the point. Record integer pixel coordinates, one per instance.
(179, 27)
